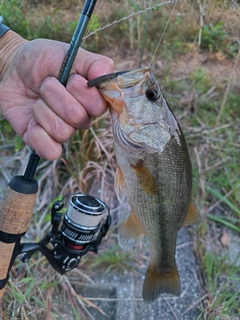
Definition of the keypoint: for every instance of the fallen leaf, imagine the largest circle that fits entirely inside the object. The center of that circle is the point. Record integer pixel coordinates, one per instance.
(225, 239)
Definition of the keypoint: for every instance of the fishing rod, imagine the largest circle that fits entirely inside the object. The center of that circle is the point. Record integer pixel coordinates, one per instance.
(82, 225)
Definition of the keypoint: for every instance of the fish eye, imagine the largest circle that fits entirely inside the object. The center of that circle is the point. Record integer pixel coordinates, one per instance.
(152, 94)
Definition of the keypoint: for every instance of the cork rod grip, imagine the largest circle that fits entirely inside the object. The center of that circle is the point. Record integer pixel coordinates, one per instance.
(15, 215)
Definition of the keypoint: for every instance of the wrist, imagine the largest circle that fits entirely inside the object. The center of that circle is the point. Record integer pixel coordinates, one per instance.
(9, 43)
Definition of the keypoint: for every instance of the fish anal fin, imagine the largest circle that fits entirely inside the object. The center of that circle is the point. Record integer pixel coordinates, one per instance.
(160, 281)
(131, 232)
(192, 217)
(119, 185)
(145, 178)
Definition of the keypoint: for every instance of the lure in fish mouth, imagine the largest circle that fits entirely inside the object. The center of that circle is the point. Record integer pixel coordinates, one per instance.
(154, 173)
(107, 77)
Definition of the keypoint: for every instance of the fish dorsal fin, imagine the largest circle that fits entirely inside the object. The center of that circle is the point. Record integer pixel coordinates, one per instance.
(131, 232)
(119, 185)
(192, 217)
(145, 178)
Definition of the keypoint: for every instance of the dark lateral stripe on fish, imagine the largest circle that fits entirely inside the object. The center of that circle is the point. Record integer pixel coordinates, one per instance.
(97, 81)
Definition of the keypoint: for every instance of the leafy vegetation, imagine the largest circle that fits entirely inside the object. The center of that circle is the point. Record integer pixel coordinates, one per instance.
(213, 36)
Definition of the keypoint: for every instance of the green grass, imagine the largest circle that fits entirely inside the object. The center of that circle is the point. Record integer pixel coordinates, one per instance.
(222, 279)
(9, 136)
(112, 259)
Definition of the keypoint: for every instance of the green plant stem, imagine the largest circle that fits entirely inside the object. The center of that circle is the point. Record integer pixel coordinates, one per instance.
(227, 90)
(223, 221)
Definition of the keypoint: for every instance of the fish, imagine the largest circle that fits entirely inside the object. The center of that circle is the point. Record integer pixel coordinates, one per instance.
(154, 173)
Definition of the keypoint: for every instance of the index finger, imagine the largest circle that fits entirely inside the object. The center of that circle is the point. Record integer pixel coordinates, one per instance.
(91, 65)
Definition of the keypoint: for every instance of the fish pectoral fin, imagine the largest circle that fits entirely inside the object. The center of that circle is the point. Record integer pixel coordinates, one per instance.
(119, 185)
(160, 281)
(131, 232)
(192, 217)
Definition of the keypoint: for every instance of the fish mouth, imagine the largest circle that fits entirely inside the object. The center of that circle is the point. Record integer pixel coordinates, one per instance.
(119, 87)
(106, 77)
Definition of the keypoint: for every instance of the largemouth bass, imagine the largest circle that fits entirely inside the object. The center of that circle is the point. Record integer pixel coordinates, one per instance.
(154, 173)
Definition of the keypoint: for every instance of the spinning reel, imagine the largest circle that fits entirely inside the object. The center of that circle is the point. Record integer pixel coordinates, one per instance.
(79, 230)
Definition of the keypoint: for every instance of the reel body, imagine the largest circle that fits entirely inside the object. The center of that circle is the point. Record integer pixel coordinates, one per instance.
(73, 234)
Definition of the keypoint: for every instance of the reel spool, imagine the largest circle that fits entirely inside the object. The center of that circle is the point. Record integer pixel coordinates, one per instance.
(82, 221)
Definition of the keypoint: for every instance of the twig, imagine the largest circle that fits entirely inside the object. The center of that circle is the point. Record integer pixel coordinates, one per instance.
(113, 299)
(219, 201)
(23, 312)
(202, 7)
(100, 143)
(195, 303)
(183, 245)
(171, 309)
(82, 300)
(201, 178)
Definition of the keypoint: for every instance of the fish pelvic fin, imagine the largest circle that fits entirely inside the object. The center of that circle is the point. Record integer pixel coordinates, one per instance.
(192, 217)
(131, 232)
(160, 281)
(119, 185)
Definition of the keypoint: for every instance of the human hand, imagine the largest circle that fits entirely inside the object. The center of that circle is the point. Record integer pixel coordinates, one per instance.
(41, 110)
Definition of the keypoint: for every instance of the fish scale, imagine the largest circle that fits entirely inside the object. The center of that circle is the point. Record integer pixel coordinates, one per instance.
(154, 173)
(168, 199)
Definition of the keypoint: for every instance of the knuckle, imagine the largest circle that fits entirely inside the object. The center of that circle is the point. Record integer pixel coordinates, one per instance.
(110, 63)
(46, 85)
(61, 131)
(75, 114)
(53, 153)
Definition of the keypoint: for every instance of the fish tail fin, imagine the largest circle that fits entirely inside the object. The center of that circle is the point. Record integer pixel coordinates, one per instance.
(157, 282)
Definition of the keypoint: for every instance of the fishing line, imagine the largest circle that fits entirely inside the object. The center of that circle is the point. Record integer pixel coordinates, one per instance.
(92, 22)
(163, 33)
(129, 16)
